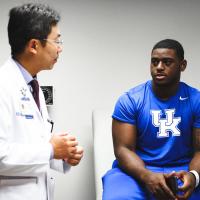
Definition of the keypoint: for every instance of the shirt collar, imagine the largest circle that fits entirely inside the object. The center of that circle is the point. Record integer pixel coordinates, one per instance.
(27, 76)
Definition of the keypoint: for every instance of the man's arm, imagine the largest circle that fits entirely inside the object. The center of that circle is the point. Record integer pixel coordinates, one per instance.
(189, 180)
(124, 141)
(195, 162)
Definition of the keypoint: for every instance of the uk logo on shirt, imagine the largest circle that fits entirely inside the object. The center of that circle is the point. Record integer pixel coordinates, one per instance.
(166, 125)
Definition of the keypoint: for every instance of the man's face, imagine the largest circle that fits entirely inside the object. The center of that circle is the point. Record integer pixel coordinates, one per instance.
(165, 66)
(48, 54)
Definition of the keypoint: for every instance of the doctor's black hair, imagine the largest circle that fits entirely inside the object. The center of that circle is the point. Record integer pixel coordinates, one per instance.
(171, 44)
(30, 21)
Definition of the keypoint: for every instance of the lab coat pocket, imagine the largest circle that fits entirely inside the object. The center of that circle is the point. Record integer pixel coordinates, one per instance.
(50, 185)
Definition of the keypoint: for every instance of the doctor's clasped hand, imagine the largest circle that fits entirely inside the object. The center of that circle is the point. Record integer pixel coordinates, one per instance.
(66, 147)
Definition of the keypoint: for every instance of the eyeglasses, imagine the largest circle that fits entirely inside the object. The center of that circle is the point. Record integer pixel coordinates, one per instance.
(57, 42)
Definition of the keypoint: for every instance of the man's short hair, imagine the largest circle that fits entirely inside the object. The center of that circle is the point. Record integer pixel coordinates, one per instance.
(171, 44)
(30, 21)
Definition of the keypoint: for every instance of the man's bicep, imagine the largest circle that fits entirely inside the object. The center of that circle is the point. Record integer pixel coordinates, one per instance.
(124, 134)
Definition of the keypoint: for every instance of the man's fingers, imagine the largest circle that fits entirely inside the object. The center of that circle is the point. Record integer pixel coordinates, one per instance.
(173, 173)
(167, 190)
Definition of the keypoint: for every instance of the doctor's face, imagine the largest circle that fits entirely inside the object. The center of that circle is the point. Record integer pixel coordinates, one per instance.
(49, 53)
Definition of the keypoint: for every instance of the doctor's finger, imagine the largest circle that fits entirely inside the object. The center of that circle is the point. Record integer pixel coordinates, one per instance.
(77, 156)
(61, 134)
(70, 137)
(79, 149)
(71, 143)
(73, 162)
(70, 151)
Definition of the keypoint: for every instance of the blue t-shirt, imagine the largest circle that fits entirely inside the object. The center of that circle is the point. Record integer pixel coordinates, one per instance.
(164, 128)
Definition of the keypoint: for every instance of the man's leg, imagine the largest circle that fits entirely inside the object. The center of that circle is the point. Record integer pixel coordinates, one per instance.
(117, 185)
(195, 194)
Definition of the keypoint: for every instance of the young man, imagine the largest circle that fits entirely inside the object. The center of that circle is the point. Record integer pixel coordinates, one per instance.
(26, 145)
(156, 134)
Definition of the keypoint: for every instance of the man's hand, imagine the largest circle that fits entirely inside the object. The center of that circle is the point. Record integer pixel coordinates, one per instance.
(64, 146)
(76, 157)
(156, 184)
(188, 186)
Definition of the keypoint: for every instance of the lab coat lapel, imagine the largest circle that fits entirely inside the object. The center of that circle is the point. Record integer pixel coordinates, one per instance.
(16, 76)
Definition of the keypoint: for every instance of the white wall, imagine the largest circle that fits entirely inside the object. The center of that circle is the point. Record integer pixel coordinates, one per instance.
(107, 45)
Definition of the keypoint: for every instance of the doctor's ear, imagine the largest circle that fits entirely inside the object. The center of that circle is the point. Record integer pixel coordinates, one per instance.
(32, 46)
(183, 65)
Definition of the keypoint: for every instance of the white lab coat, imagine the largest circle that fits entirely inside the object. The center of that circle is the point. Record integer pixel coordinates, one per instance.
(24, 136)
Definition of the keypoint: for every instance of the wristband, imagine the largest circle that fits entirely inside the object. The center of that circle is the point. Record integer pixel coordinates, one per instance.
(196, 175)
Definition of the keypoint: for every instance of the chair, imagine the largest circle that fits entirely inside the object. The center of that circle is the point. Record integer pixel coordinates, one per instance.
(103, 146)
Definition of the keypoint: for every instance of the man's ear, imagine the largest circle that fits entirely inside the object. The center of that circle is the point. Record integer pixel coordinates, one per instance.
(183, 65)
(33, 46)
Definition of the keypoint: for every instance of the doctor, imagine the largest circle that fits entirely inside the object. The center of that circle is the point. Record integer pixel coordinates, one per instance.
(27, 147)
